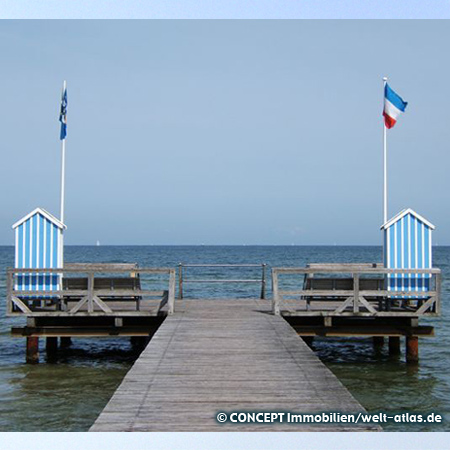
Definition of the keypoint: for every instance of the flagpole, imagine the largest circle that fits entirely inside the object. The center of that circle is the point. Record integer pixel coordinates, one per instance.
(63, 164)
(63, 169)
(63, 182)
(385, 215)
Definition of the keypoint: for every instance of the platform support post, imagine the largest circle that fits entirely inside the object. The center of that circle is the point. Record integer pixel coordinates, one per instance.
(263, 282)
(394, 345)
(412, 349)
(32, 355)
(66, 342)
(51, 345)
(378, 342)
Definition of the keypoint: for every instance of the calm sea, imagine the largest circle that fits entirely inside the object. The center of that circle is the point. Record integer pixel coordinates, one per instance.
(67, 395)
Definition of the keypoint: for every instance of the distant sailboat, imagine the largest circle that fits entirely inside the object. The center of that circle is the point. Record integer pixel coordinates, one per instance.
(98, 244)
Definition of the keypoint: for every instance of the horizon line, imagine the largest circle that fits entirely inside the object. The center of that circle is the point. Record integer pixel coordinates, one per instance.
(226, 245)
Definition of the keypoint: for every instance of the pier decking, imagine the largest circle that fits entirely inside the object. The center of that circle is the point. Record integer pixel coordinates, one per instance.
(215, 356)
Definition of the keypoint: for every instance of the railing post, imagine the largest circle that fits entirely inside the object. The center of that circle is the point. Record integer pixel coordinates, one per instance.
(355, 292)
(171, 301)
(275, 297)
(61, 305)
(91, 292)
(263, 282)
(438, 293)
(180, 281)
(9, 289)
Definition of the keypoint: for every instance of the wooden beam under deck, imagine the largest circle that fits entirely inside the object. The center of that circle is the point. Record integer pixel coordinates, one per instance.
(362, 331)
(81, 332)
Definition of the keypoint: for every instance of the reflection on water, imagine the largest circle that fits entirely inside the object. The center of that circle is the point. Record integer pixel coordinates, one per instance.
(68, 394)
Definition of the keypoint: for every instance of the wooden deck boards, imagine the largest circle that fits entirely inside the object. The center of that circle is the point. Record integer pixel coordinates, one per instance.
(221, 356)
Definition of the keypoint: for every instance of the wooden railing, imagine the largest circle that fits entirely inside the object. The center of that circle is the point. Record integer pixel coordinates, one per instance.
(359, 297)
(90, 294)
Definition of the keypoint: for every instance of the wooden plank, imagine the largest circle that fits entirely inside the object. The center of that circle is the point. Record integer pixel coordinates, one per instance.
(88, 269)
(125, 293)
(98, 267)
(103, 306)
(350, 266)
(171, 295)
(438, 293)
(90, 296)
(344, 306)
(74, 331)
(276, 294)
(342, 268)
(78, 306)
(427, 305)
(9, 290)
(163, 302)
(367, 305)
(317, 293)
(20, 304)
(363, 330)
(345, 293)
(224, 355)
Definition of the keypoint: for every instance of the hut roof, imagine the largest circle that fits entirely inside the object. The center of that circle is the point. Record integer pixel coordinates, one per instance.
(402, 214)
(45, 213)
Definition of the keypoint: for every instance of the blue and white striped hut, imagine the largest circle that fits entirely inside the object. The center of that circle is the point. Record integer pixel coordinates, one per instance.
(38, 245)
(407, 245)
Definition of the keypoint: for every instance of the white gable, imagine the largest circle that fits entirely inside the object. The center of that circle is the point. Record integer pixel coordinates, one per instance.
(46, 214)
(402, 214)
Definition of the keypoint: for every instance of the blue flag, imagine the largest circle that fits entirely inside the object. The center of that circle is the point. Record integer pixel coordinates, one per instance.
(63, 114)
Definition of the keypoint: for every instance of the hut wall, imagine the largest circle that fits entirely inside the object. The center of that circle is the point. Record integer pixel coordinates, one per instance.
(407, 245)
(38, 246)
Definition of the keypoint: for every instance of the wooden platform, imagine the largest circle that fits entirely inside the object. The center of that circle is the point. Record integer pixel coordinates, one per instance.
(223, 356)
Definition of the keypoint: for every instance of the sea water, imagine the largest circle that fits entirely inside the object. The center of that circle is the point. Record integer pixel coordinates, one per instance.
(69, 393)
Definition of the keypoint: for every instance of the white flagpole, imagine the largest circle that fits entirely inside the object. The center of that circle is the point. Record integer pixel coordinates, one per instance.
(63, 168)
(385, 206)
(63, 163)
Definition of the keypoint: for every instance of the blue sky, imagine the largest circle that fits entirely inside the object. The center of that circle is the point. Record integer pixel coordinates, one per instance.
(224, 132)
(226, 9)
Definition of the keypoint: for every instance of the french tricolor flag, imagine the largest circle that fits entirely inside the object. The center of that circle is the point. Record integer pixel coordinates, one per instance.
(393, 106)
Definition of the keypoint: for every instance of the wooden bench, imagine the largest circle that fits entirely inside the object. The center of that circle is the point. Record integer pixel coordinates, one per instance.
(343, 284)
(102, 283)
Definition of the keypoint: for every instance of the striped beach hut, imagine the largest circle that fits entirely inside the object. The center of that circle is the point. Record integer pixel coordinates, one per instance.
(38, 245)
(407, 245)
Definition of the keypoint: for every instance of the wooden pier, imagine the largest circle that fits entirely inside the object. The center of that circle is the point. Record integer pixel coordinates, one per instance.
(317, 300)
(210, 356)
(215, 356)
